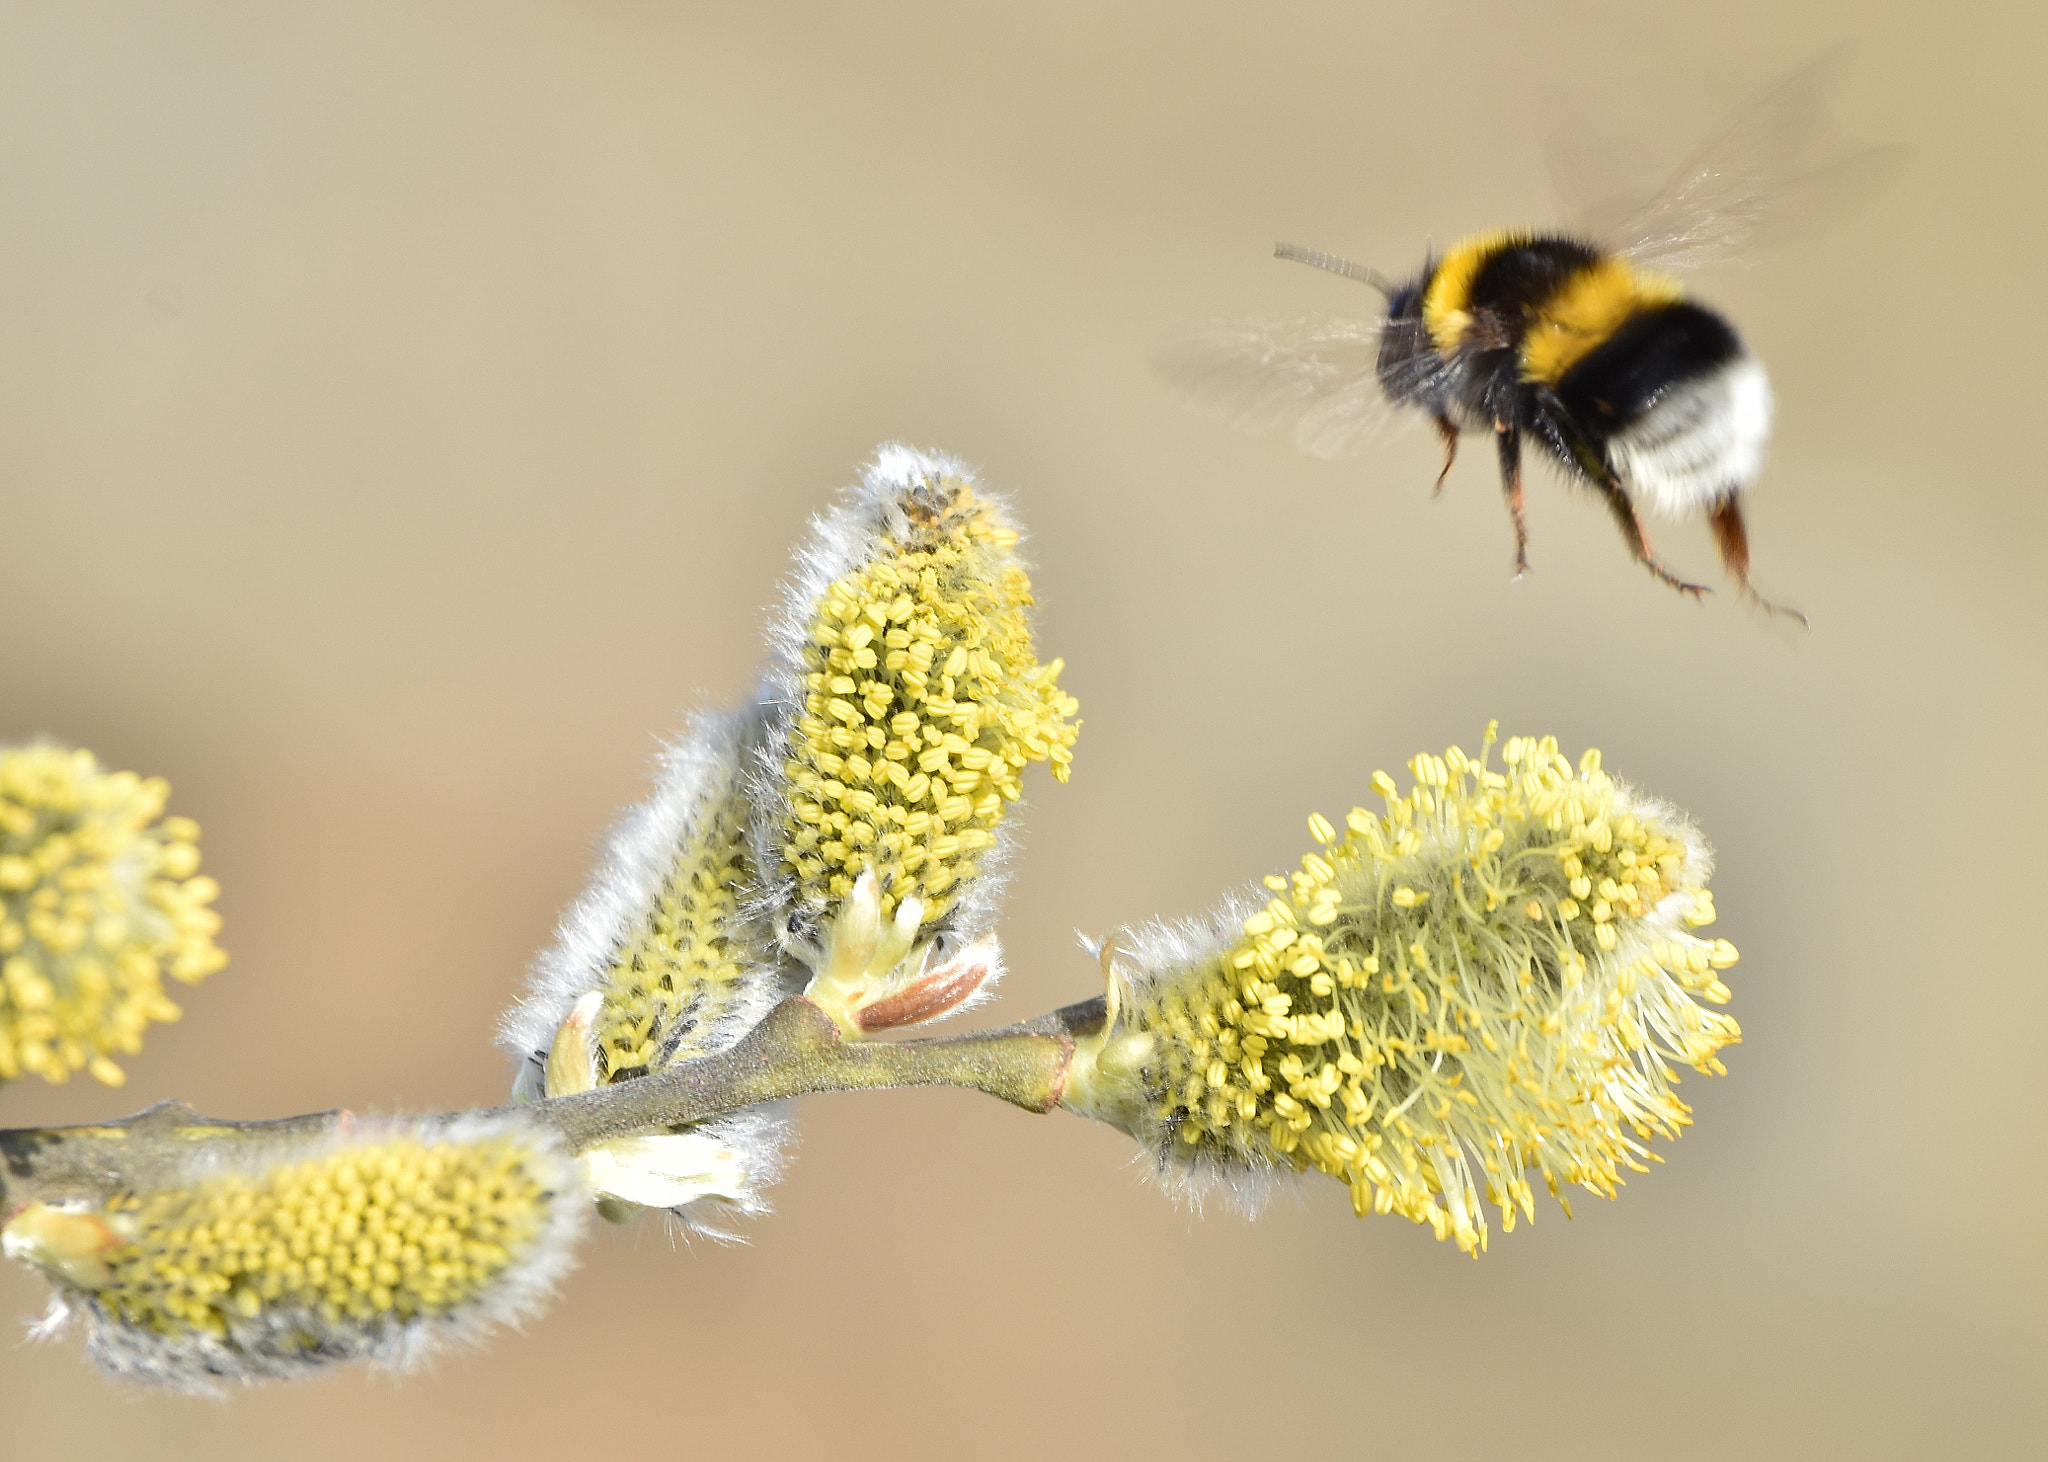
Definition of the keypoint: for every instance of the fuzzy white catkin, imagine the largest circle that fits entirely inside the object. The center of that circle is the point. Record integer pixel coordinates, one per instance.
(670, 936)
(381, 1243)
(906, 700)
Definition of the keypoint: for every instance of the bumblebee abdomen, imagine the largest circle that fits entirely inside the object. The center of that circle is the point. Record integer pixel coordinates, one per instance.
(1681, 410)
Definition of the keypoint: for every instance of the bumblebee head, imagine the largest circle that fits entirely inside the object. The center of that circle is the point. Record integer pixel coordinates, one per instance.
(1407, 355)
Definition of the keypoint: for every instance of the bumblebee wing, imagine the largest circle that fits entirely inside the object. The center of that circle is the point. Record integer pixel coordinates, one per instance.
(1757, 171)
(1318, 373)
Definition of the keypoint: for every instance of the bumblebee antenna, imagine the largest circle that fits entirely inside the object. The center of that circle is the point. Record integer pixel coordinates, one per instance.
(1317, 259)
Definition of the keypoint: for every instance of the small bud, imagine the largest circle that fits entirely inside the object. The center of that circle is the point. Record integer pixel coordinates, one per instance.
(877, 977)
(670, 1170)
(571, 1064)
(664, 1170)
(933, 990)
(68, 1242)
(1449, 1025)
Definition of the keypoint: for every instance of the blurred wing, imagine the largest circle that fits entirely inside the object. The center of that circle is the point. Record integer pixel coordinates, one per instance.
(1319, 373)
(1755, 172)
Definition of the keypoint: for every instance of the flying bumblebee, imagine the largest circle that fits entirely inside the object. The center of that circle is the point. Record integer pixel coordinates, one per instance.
(1575, 340)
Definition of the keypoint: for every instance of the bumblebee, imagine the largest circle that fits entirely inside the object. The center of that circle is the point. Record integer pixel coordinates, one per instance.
(1630, 386)
(1575, 340)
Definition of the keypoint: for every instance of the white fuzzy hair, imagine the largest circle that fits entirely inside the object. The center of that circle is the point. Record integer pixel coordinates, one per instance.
(286, 1342)
(868, 518)
(765, 1134)
(1703, 440)
(639, 854)
(1675, 822)
(692, 777)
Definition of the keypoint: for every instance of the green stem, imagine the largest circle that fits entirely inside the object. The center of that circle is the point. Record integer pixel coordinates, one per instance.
(796, 1051)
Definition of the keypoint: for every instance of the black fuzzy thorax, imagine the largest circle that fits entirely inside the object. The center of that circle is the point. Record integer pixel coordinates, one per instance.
(1516, 280)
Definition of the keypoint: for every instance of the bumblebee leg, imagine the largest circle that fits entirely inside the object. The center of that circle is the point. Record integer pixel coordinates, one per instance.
(1508, 438)
(1447, 430)
(1593, 464)
(1638, 542)
(1732, 539)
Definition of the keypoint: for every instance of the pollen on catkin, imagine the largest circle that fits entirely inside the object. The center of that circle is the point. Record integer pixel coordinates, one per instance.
(1489, 979)
(910, 700)
(667, 957)
(98, 901)
(373, 1246)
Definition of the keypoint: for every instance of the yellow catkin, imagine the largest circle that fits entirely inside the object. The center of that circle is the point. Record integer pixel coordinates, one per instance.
(669, 956)
(922, 703)
(683, 965)
(1486, 980)
(380, 1233)
(98, 901)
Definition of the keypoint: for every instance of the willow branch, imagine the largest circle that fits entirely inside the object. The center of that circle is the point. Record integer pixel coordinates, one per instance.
(796, 1051)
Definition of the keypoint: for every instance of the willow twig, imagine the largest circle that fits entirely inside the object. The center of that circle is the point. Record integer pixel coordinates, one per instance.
(795, 1051)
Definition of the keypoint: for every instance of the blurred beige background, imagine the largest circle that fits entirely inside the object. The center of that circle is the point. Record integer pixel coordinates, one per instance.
(405, 415)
